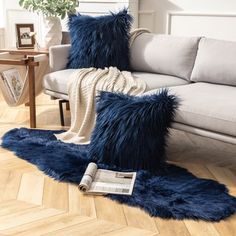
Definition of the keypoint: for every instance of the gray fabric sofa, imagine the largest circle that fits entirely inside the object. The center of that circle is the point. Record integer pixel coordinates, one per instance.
(201, 71)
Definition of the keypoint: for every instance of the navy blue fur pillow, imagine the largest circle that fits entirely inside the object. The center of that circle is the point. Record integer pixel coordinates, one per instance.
(100, 41)
(131, 131)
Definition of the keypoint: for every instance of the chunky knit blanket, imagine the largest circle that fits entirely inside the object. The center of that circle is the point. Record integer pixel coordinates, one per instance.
(83, 88)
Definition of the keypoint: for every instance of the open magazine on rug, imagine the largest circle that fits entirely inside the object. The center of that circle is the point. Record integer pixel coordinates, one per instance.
(100, 181)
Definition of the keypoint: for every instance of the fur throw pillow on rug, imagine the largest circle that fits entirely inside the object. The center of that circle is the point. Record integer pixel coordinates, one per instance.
(131, 131)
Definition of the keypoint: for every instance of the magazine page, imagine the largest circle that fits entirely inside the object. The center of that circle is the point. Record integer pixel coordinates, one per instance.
(14, 82)
(99, 181)
(7, 89)
(107, 181)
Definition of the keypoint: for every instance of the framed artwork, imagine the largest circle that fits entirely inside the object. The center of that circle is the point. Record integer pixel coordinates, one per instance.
(24, 36)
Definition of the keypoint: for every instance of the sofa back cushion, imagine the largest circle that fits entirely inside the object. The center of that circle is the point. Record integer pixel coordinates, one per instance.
(164, 54)
(215, 62)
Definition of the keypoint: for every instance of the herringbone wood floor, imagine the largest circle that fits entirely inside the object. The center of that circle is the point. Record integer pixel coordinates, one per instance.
(33, 204)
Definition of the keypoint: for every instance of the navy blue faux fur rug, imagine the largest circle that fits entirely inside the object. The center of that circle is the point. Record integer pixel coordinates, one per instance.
(171, 192)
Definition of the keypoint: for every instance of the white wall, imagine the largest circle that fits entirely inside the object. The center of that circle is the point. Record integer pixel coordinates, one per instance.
(13, 13)
(2, 20)
(2, 23)
(4, 6)
(153, 13)
(161, 7)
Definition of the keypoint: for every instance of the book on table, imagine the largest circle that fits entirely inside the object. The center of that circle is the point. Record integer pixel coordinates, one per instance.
(101, 181)
(13, 82)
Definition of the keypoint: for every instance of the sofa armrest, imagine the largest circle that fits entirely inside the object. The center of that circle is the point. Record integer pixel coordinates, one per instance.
(39, 57)
(58, 57)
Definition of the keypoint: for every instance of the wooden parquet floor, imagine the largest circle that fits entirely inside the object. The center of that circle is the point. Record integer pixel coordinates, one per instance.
(34, 204)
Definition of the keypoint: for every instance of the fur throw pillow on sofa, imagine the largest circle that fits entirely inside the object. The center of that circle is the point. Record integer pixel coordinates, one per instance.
(131, 131)
(100, 42)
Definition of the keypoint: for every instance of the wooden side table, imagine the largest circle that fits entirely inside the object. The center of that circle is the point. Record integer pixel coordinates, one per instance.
(30, 58)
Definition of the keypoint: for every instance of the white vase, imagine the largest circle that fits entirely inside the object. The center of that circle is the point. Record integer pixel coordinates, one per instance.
(52, 31)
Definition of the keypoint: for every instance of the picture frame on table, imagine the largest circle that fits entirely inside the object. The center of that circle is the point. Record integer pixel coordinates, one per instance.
(25, 36)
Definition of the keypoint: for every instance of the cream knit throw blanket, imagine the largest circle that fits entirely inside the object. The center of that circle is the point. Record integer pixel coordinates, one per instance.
(83, 87)
(85, 84)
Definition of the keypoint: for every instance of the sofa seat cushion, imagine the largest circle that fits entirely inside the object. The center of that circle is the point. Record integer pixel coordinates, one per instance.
(57, 81)
(207, 106)
(154, 81)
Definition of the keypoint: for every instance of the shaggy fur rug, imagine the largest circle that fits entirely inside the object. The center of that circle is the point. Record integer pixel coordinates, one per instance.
(170, 192)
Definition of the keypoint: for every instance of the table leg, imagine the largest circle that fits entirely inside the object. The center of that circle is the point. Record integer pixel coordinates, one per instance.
(32, 97)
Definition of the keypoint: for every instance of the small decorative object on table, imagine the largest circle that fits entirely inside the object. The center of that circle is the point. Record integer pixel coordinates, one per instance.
(99, 181)
(23, 36)
(36, 44)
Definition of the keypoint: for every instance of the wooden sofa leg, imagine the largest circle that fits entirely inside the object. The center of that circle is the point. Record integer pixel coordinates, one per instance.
(67, 105)
(61, 112)
(61, 101)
